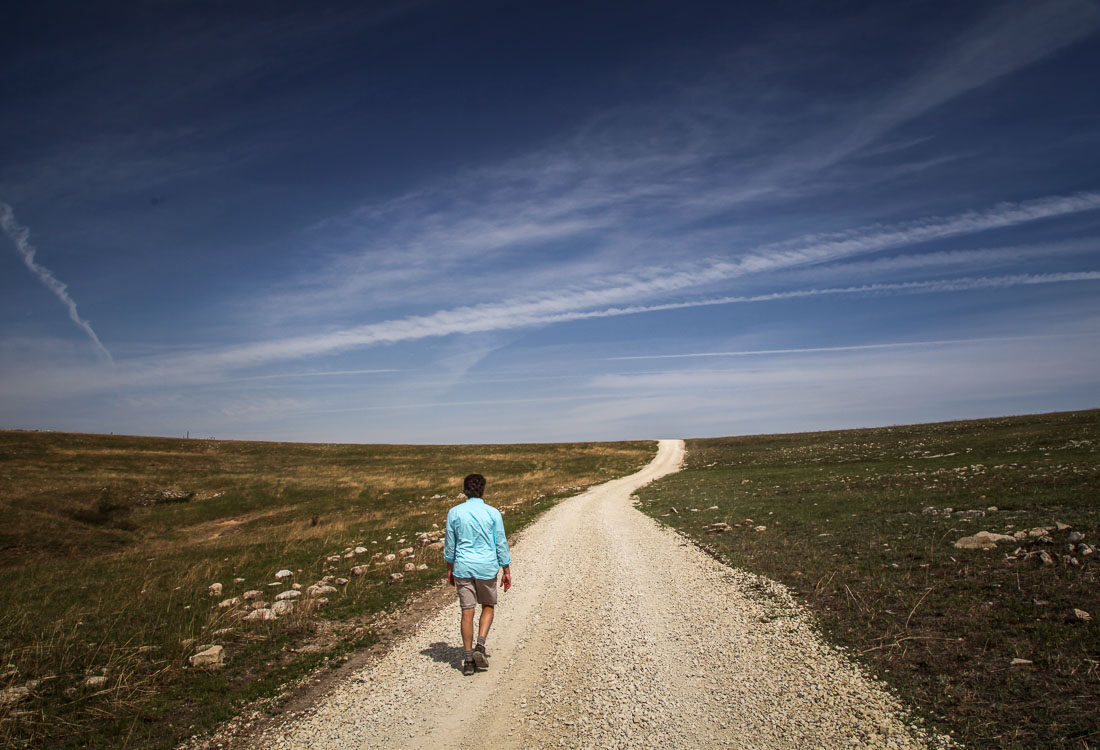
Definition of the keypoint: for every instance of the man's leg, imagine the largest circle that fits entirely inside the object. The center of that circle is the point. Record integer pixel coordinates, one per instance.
(485, 622)
(468, 628)
(480, 656)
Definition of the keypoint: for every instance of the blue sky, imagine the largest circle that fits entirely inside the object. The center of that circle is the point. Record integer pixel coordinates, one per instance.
(499, 221)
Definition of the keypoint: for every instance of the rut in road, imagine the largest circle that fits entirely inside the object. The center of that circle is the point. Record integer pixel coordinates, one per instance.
(617, 633)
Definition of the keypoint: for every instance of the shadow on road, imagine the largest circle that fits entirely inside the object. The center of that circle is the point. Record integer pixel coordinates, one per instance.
(445, 653)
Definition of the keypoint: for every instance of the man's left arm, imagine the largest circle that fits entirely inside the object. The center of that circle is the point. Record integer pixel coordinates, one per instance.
(504, 555)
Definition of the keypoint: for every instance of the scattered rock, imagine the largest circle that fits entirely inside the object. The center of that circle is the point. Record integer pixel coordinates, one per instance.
(390, 557)
(230, 602)
(410, 567)
(1018, 662)
(1045, 558)
(320, 590)
(283, 607)
(284, 574)
(422, 566)
(250, 595)
(215, 589)
(992, 509)
(975, 542)
(435, 545)
(172, 495)
(1021, 536)
(406, 552)
(983, 540)
(1037, 532)
(11, 696)
(360, 550)
(212, 656)
(1076, 536)
(360, 570)
(296, 586)
(238, 580)
(1082, 615)
(396, 576)
(713, 507)
(333, 558)
(929, 510)
(260, 615)
(218, 632)
(341, 581)
(288, 595)
(760, 528)
(1059, 526)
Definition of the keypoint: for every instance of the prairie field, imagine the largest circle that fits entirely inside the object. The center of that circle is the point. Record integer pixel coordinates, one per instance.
(110, 544)
(861, 525)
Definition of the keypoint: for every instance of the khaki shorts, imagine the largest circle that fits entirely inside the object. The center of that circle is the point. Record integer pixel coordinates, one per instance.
(473, 591)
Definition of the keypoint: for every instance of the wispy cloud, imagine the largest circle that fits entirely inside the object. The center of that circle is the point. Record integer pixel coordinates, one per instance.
(948, 260)
(314, 374)
(1013, 36)
(628, 184)
(855, 348)
(631, 293)
(20, 237)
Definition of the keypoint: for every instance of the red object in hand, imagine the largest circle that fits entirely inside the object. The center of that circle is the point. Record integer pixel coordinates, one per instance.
(506, 581)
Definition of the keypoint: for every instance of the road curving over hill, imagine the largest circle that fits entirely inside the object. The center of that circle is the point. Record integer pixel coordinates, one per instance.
(617, 633)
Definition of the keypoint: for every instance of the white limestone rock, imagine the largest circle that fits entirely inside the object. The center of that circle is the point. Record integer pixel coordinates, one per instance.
(211, 656)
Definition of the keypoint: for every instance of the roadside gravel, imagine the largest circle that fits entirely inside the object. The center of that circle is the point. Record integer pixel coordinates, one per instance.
(618, 633)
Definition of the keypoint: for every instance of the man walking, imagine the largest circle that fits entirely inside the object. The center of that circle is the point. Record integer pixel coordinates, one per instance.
(475, 548)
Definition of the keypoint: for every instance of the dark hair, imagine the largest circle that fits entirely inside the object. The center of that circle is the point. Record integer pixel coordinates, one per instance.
(473, 485)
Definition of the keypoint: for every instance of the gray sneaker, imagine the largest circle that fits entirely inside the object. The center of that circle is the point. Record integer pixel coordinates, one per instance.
(481, 659)
(468, 668)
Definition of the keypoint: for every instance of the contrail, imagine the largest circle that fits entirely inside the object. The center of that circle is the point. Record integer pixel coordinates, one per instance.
(18, 235)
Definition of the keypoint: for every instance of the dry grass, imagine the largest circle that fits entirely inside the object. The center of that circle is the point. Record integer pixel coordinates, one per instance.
(106, 575)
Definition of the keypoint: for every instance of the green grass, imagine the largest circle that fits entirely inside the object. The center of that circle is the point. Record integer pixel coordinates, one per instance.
(103, 573)
(847, 533)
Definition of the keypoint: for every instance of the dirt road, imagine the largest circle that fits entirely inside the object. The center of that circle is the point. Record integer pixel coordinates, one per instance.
(616, 634)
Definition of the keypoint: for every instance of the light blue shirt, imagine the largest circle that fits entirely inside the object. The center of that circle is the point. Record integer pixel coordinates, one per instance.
(475, 540)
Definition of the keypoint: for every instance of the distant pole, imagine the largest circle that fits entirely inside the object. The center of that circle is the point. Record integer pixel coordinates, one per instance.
(188, 435)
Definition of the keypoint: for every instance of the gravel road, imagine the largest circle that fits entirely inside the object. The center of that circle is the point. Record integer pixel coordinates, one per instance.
(617, 633)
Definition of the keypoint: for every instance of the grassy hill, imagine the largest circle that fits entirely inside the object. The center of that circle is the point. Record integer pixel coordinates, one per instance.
(109, 545)
(862, 525)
